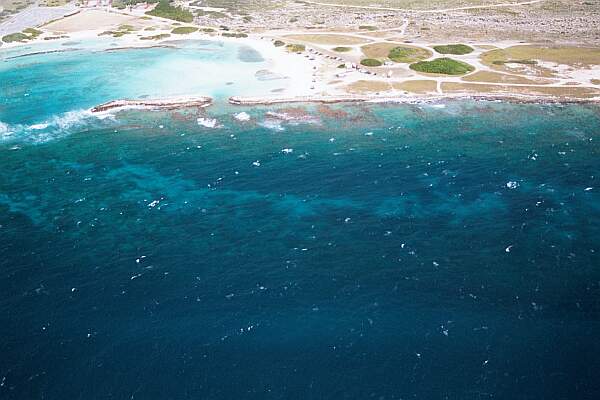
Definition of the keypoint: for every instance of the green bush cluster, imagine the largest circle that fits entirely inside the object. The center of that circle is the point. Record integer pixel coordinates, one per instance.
(234, 35)
(458, 49)
(165, 10)
(371, 62)
(446, 66)
(184, 30)
(295, 48)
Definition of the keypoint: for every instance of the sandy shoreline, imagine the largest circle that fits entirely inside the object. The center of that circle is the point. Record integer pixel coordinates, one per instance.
(321, 75)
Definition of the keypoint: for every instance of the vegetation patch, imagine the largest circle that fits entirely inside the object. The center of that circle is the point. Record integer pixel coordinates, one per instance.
(184, 30)
(295, 48)
(32, 32)
(525, 62)
(371, 62)
(341, 49)
(15, 37)
(156, 37)
(234, 35)
(458, 49)
(165, 10)
(278, 43)
(445, 66)
(126, 27)
(402, 54)
(367, 28)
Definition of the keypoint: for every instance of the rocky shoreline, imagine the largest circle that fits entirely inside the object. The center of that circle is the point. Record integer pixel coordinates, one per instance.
(153, 104)
(249, 101)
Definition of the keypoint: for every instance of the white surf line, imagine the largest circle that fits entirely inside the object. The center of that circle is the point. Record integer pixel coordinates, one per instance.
(524, 3)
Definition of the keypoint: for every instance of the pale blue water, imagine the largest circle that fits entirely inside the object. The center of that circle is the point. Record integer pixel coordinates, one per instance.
(363, 251)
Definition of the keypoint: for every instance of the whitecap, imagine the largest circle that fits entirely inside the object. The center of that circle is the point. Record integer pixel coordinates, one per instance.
(273, 125)
(512, 185)
(243, 116)
(52, 128)
(4, 129)
(38, 126)
(208, 122)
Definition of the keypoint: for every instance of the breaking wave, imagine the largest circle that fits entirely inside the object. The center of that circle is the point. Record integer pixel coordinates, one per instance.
(53, 128)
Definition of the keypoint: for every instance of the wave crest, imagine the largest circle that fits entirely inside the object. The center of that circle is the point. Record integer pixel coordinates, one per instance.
(53, 128)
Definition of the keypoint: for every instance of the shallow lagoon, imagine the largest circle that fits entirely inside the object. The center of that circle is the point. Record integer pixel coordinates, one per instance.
(35, 88)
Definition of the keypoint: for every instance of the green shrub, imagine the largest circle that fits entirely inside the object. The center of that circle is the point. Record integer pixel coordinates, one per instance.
(342, 49)
(407, 54)
(184, 30)
(15, 37)
(32, 32)
(156, 37)
(446, 66)
(526, 62)
(166, 10)
(371, 62)
(278, 43)
(367, 28)
(295, 48)
(126, 27)
(208, 30)
(234, 35)
(458, 49)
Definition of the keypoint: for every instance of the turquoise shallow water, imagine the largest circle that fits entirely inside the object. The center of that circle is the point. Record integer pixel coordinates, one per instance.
(353, 251)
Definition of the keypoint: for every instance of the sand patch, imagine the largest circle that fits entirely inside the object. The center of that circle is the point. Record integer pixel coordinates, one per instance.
(327, 39)
(497, 77)
(417, 86)
(91, 20)
(361, 87)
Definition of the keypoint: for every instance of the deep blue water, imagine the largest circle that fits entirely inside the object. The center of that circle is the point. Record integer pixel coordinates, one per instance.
(387, 252)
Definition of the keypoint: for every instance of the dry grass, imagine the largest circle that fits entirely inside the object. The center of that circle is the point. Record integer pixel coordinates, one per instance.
(382, 50)
(497, 77)
(580, 57)
(561, 92)
(327, 39)
(362, 87)
(417, 86)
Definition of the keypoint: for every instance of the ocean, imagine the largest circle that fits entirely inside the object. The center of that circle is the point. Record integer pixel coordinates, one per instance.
(350, 251)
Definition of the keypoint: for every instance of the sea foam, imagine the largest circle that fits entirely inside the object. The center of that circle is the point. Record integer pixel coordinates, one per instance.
(54, 127)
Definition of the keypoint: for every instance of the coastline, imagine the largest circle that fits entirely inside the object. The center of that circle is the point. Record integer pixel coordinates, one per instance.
(167, 103)
(316, 76)
(511, 98)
